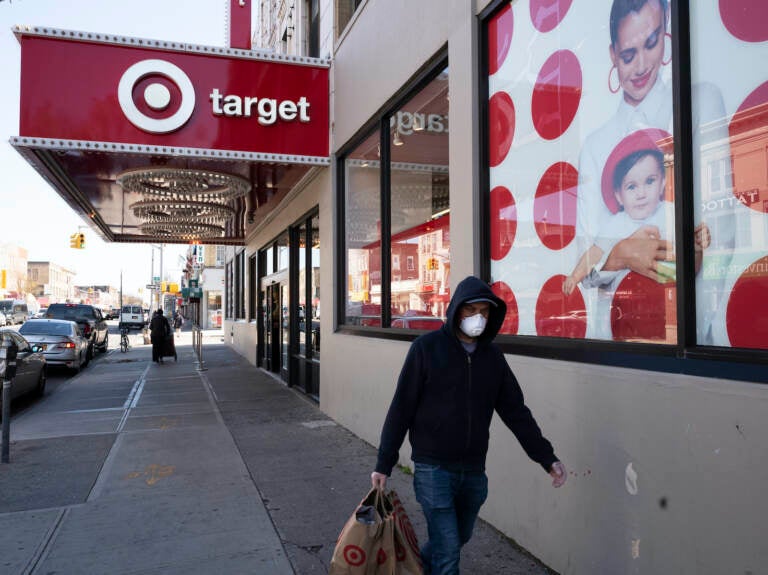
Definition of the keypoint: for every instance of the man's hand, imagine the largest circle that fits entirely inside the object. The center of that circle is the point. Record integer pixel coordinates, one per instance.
(378, 480)
(640, 252)
(558, 473)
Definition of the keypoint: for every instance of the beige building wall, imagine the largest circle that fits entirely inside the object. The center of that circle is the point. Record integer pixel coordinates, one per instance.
(665, 470)
(654, 458)
(13, 260)
(51, 280)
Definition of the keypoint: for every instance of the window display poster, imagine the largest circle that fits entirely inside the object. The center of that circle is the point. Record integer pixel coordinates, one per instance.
(581, 163)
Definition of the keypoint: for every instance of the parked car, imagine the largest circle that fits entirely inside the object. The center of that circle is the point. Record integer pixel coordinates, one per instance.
(41, 312)
(15, 311)
(426, 322)
(132, 317)
(90, 320)
(30, 365)
(60, 340)
(3, 320)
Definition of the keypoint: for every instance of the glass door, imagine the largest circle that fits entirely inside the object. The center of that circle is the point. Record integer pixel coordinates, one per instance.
(285, 329)
(275, 325)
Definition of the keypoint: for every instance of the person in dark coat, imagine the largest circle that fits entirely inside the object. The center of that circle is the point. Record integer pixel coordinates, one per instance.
(159, 329)
(452, 381)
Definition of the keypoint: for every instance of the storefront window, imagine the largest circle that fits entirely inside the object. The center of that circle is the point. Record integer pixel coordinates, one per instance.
(362, 203)
(580, 160)
(410, 156)
(730, 153)
(420, 239)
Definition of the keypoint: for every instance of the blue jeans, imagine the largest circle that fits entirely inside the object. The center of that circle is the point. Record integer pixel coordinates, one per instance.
(451, 501)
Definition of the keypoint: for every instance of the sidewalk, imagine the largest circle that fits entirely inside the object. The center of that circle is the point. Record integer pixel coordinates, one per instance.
(135, 467)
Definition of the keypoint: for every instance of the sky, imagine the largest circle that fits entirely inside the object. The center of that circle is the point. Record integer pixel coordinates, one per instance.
(32, 214)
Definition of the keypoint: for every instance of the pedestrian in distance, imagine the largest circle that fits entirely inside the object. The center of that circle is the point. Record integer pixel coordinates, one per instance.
(451, 382)
(159, 329)
(178, 321)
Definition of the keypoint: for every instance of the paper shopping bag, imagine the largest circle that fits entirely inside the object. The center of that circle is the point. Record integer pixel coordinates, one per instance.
(366, 543)
(407, 553)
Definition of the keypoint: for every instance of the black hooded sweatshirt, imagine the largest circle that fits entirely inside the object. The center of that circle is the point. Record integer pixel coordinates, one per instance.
(445, 396)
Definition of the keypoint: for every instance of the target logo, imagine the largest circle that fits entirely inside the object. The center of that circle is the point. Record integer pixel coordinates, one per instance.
(149, 89)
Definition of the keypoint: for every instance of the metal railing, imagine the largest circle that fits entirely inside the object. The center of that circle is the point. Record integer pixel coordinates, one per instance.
(197, 346)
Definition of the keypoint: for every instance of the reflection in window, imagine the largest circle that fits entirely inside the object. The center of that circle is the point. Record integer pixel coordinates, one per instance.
(362, 203)
(420, 207)
(412, 291)
(729, 103)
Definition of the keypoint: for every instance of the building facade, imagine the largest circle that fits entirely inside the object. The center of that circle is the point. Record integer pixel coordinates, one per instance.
(13, 271)
(488, 138)
(51, 282)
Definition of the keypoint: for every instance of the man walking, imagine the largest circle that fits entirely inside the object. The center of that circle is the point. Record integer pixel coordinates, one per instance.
(452, 381)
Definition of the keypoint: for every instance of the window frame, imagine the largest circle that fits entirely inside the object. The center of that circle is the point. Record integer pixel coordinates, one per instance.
(378, 122)
(686, 356)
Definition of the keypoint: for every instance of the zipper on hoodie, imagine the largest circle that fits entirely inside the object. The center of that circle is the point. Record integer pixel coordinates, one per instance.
(469, 404)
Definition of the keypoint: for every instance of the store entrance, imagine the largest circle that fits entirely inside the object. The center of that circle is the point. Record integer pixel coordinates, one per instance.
(275, 300)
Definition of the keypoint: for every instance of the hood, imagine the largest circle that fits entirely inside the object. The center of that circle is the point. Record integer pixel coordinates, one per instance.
(469, 288)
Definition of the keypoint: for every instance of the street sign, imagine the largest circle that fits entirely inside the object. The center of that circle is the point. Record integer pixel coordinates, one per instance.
(153, 287)
(156, 279)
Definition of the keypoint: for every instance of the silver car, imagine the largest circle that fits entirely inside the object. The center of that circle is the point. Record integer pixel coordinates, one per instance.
(30, 365)
(60, 340)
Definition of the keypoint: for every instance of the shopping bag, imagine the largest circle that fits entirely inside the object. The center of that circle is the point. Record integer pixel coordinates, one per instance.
(378, 539)
(407, 553)
(366, 543)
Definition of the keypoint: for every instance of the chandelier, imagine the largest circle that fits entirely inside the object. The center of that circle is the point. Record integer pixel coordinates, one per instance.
(184, 204)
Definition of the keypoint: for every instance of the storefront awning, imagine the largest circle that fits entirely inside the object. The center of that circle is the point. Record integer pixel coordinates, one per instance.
(157, 141)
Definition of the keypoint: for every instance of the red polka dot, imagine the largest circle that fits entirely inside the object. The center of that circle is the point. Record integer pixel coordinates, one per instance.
(650, 138)
(749, 180)
(547, 14)
(503, 222)
(747, 314)
(644, 310)
(512, 319)
(501, 117)
(499, 38)
(745, 19)
(560, 315)
(556, 95)
(554, 207)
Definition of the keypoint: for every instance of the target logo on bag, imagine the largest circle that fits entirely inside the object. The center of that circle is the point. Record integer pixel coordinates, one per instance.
(354, 555)
(381, 557)
(399, 550)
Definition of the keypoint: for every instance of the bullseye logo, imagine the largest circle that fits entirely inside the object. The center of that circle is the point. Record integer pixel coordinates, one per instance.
(157, 95)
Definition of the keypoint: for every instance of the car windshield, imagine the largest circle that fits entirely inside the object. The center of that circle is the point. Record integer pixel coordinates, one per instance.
(72, 313)
(45, 328)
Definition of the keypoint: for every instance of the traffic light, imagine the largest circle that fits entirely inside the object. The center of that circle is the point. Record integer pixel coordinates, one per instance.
(77, 241)
(3, 279)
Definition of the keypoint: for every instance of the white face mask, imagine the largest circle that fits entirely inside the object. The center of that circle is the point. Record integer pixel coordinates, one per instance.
(473, 325)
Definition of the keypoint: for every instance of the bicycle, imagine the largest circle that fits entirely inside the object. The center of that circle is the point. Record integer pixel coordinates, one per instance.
(125, 343)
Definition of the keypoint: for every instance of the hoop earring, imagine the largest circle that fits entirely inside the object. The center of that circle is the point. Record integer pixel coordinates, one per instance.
(667, 35)
(610, 73)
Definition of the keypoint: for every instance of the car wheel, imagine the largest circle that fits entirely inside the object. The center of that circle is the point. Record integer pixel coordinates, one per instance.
(104, 346)
(88, 354)
(40, 388)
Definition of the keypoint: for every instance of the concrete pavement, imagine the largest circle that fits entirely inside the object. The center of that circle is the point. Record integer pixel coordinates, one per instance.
(135, 467)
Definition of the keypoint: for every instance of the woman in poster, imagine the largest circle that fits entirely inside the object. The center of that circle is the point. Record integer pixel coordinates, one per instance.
(638, 52)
